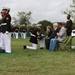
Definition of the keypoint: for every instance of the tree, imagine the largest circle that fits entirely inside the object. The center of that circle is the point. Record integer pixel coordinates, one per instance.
(71, 11)
(23, 18)
(44, 23)
(15, 21)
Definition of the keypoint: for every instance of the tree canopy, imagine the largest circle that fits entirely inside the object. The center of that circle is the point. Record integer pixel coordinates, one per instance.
(71, 11)
(23, 18)
(44, 23)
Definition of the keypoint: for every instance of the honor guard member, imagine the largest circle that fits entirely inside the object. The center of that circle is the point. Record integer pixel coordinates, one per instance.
(6, 29)
(21, 31)
(2, 15)
(24, 33)
(13, 29)
(33, 38)
(40, 37)
(13, 32)
(16, 32)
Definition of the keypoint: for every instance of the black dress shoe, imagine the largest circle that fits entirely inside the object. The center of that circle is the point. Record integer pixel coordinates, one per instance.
(24, 47)
(2, 51)
(41, 48)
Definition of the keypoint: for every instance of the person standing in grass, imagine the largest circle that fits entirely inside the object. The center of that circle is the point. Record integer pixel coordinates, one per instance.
(69, 25)
(33, 38)
(16, 32)
(5, 30)
(1, 20)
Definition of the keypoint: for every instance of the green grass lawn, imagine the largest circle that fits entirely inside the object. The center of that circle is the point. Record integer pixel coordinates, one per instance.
(40, 62)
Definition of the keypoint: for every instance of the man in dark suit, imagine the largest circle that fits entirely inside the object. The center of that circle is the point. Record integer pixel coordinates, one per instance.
(69, 25)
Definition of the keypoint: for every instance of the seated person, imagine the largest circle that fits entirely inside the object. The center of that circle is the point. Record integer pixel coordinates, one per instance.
(52, 34)
(56, 30)
(47, 40)
(61, 37)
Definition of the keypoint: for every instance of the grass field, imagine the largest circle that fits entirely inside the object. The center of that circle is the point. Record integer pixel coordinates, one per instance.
(40, 62)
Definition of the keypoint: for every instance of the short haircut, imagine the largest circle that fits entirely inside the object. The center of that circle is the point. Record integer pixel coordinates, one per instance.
(60, 23)
(69, 15)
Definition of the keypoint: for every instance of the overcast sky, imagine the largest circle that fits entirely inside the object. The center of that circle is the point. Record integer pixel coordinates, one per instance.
(50, 10)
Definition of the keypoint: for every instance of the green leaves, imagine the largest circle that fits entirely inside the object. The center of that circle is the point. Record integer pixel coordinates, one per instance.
(71, 11)
(23, 18)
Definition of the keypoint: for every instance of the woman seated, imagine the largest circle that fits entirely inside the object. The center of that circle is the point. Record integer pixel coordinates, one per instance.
(47, 40)
(51, 34)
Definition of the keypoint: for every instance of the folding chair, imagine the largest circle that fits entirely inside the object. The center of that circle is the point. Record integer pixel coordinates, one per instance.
(66, 45)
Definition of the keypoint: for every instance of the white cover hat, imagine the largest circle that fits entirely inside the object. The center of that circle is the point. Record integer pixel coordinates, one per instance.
(6, 8)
